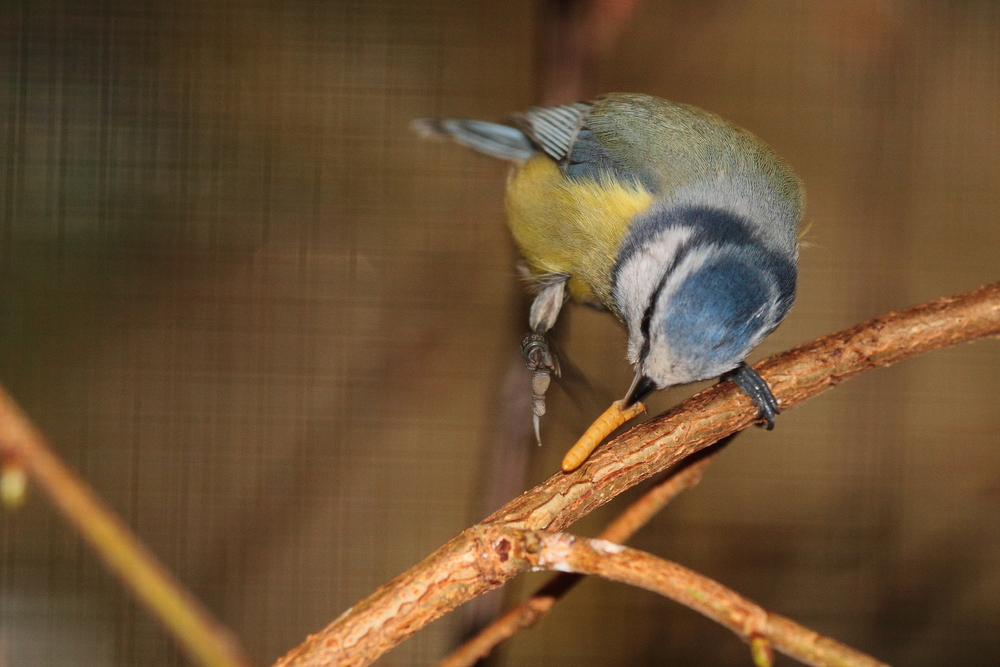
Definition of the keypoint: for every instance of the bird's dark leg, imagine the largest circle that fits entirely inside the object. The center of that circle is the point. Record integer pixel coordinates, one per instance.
(537, 354)
(754, 386)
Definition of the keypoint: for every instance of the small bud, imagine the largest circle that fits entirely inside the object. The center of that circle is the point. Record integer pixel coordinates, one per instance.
(13, 485)
(761, 652)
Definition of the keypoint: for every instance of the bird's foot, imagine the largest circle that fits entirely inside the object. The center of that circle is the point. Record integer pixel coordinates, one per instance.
(754, 386)
(543, 364)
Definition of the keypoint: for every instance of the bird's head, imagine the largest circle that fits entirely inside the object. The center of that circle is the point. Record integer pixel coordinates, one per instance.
(695, 304)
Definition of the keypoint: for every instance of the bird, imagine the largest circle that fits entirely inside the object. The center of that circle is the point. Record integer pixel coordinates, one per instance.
(679, 223)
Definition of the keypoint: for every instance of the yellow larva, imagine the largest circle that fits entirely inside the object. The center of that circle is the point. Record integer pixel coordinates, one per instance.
(612, 418)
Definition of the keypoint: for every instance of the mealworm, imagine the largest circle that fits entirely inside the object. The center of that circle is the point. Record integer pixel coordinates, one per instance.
(612, 418)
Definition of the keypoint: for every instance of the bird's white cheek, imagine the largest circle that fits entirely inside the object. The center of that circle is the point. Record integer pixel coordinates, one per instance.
(634, 346)
(662, 367)
(639, 277)
(667, 370)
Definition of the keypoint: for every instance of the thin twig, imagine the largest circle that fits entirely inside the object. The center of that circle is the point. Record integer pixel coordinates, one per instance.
(566, 553)
(619, 531)
(205, 640)
(456, 572)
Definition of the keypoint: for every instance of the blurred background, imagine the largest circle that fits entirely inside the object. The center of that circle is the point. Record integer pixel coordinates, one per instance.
(280, 335)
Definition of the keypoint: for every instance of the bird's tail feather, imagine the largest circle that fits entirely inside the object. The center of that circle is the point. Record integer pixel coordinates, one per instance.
(502, 141)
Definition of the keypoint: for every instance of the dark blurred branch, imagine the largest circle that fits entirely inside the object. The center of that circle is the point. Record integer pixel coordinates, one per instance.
(619, 531)
(577, 36)
(462, 568)
(22, 447)
(561, 552)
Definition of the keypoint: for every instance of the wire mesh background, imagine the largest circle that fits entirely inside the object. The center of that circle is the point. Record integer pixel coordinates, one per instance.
(272, 327)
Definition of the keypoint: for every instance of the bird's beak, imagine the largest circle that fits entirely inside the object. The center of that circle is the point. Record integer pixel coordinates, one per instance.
(640, 389)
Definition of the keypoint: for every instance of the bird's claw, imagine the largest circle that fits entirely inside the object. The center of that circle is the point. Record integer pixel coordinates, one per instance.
(543, 364)
(754, 386)
(538, 355)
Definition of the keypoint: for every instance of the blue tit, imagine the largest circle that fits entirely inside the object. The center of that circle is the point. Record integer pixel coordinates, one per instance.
(679, 223)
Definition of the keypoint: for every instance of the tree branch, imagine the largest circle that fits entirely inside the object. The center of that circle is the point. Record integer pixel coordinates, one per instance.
(619, 531)
(457, 571)
(566, 553)
(201, 636)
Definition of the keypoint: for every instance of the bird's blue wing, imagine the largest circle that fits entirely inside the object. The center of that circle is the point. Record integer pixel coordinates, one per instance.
(563, 133)
(553, 129)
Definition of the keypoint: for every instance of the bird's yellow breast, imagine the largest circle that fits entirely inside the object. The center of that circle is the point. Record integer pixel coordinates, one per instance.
(572, 227)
